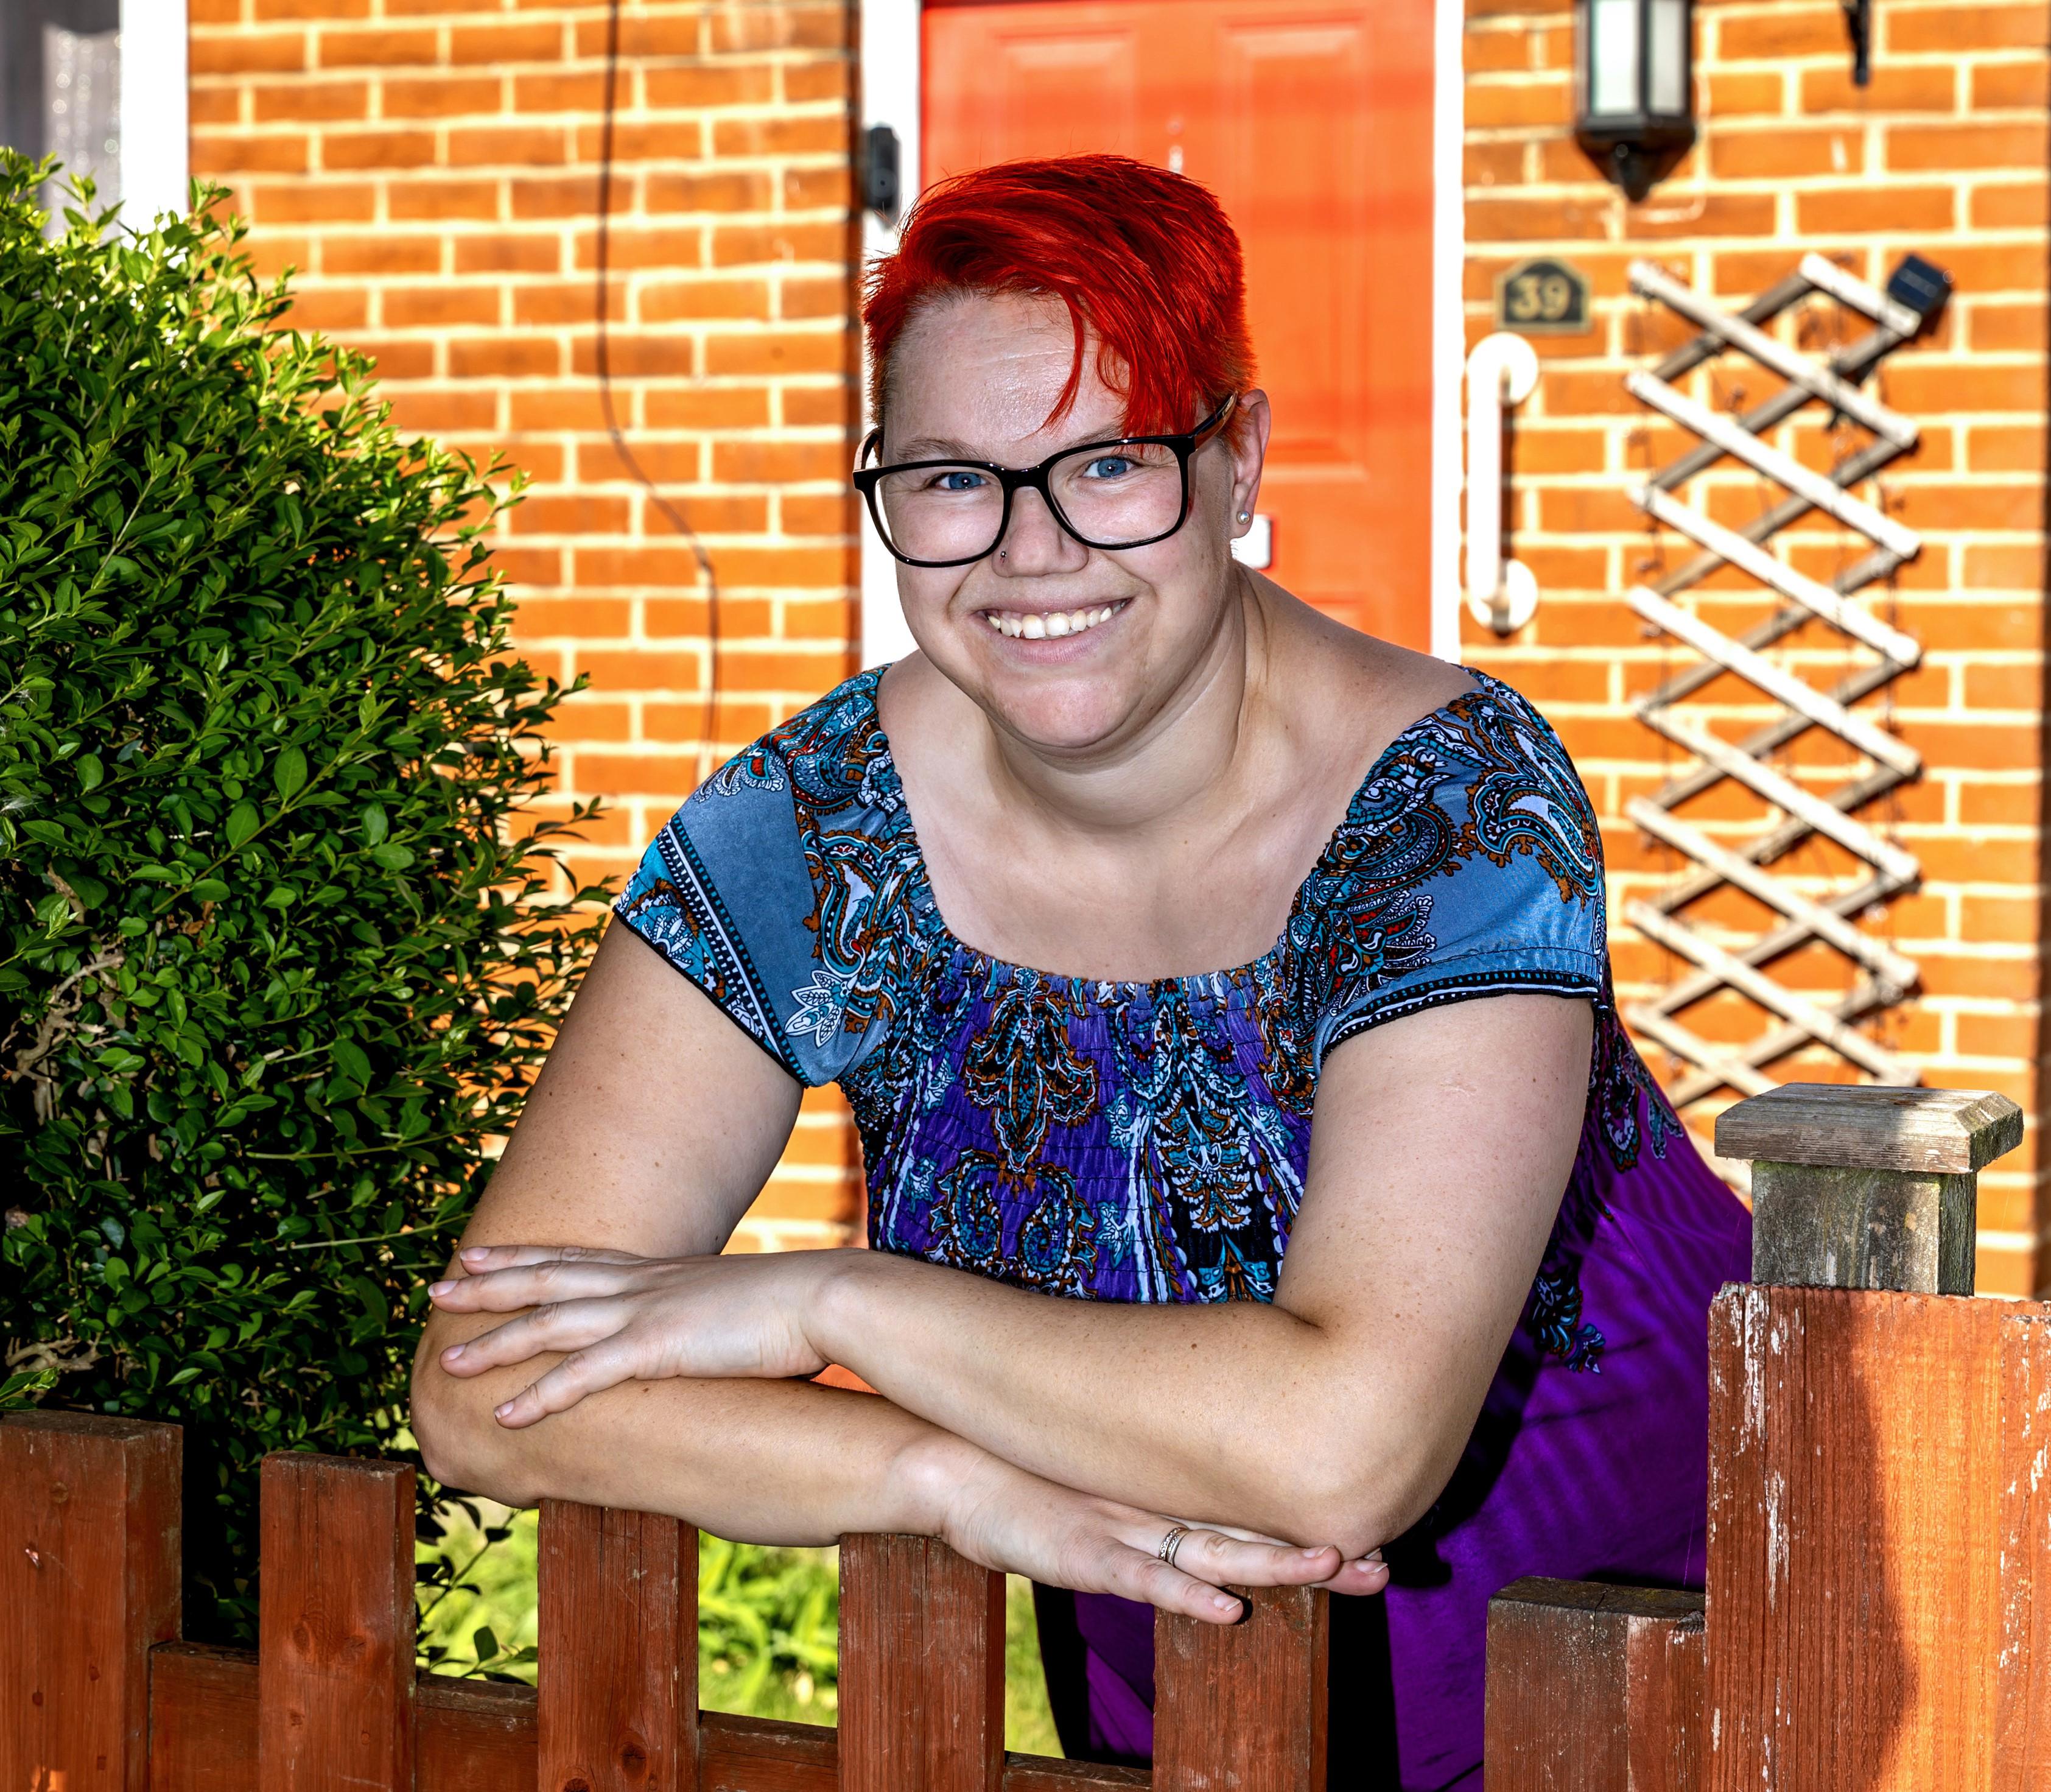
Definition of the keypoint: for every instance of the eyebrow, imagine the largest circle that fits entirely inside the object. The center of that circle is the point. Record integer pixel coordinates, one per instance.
(940, 448)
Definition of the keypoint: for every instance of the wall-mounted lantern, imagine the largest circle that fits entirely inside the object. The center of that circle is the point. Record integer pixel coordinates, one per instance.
(1634, 63)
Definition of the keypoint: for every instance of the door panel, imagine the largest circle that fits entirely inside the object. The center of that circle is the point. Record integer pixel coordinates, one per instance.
(1312, 122)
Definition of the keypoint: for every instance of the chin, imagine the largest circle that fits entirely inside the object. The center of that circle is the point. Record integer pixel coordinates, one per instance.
(1069, 708)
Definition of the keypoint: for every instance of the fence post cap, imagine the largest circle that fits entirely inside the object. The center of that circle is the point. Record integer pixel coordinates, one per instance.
(1951, 1132)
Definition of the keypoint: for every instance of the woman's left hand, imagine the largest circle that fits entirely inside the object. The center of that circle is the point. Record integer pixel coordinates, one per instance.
(622, 1317)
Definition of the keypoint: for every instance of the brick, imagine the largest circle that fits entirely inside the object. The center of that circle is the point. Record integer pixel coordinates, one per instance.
(536, 40)
(344, 48)
(1777, 153)
(1984, 268)
(780, 351)
(438, 96)
(214, 105)
(781, 568)
(1993, 448)
(513, 146)
(733, 189)
(378, 149)
(1894, 88)
(643, 36)
(778, 462)
(819, 189)
(1793, 29)
(1924, 386)
(592, 618)
(629, 774)
(528, 565)
(705, 513)
(1734, 94)
(558, 408)
(429, 412)
(471, 200)
(567, 302)
(652, 140)
(807, 82)
(391, 251)
(708, 407)
(2017, 327)
(320, 11)
(709, 84)
(1498, 52)
(800, 136)
(739, 245)
(310, 201)
(1952, 29)
(584, 515)
(670, 300)
(255, 152)
(618, 669)
(1503, 105)
(2006, 144)
(1536, 219)
(1880, 207)
(2019, 205)
(786, 26)
(415, 307)
(502, 252)
(636, 245)
(246, 53)
(2023, 85)
(812, 406)
(536, 196)
(581, 91)
(308, 102)
(669, 356)
(505, 357)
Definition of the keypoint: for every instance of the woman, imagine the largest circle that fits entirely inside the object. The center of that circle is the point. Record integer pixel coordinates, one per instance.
(989, 891)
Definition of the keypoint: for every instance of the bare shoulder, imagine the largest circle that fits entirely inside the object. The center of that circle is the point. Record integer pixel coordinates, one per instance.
(1343, 685)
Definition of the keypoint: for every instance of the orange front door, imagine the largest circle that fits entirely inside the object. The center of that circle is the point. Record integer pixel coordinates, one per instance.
(1312, 122)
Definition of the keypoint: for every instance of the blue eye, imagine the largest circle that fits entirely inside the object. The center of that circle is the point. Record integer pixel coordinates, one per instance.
(1109, 467)
(959, 479)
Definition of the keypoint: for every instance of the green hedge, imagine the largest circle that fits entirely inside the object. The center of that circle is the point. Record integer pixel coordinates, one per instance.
(280, 950)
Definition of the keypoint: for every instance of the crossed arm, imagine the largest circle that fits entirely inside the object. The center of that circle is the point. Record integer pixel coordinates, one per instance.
(1043, 1436)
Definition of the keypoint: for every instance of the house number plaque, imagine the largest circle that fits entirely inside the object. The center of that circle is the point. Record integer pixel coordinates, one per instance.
(1542, 297)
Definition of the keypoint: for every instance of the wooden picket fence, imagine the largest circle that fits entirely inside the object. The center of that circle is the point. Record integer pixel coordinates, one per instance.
(1878, 1517)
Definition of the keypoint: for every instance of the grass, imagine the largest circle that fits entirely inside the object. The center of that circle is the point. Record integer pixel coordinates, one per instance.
(766, 1626)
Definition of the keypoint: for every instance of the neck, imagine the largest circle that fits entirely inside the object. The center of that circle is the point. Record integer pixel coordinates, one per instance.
(1173, 764)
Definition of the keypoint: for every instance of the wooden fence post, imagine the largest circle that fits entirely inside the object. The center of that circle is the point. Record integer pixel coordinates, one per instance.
(88, 1581)
(335, 1626)
(1244, 1705)
(1874, 1538)
(617, 1651)
(921, 1667)
(1593, 1688)
(1867, 1188)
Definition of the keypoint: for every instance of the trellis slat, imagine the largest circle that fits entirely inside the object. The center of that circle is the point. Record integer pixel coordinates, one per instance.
(1243, 1706)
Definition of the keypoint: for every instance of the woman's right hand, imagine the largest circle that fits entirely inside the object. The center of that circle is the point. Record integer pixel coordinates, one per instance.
(1006, 1519)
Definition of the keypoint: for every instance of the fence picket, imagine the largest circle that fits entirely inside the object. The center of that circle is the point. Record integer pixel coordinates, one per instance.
(618, 1655)
(922, 1669)
(1244, 1705)
(1593, 1688)
(88, 1581)
(335, 1626)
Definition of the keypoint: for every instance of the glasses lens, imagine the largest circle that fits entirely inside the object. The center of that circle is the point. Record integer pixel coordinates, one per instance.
(941, 513)
(1126, 492)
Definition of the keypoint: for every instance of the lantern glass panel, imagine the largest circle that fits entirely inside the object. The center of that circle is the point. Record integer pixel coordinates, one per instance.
(1613, 58)
(1667, 94)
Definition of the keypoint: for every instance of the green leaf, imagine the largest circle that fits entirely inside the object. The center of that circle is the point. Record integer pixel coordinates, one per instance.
(290, 773)
(392, 856)
(90, 771)
(243, 820)
(352, 1061)
(375, 826)
(210, 889)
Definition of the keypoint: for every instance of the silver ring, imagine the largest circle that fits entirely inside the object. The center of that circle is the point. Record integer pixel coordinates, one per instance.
(1171, 1542)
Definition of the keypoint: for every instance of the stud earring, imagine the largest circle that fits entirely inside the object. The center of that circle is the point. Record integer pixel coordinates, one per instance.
(1245, 517)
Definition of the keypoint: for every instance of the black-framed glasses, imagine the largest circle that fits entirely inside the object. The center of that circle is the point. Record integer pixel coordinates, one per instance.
(1128, 492)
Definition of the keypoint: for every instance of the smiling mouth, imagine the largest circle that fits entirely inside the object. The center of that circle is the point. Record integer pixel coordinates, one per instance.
(1036, 625)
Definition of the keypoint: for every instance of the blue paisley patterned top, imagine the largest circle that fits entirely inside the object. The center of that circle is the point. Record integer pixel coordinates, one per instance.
(1147, 1141)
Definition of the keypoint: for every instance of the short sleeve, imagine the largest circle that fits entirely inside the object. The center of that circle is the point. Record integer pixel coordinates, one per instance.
(767, 889)
(1477, 872)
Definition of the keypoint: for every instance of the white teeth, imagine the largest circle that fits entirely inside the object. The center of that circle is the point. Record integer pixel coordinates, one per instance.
(1049, 624)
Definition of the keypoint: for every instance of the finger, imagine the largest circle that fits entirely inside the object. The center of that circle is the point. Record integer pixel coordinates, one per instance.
(1367, 1575)
(583, 1371)
(474, 1258)
(565, 1325)
(1116, 1567)
(1216, 1556)
(528, 1285)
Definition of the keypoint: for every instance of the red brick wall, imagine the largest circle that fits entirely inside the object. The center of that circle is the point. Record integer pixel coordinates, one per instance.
(430, 167)
(1943, 155)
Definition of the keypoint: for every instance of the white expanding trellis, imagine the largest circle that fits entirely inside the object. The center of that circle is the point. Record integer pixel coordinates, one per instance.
(1881, 975)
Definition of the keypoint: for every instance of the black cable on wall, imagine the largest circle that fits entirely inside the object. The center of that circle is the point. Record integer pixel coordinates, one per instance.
(676, 518)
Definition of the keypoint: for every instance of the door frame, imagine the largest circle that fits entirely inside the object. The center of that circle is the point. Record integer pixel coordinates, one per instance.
(156, 110)
(892, 94)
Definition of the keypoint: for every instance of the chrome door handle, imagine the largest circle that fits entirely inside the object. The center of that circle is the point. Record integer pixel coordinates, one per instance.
(1502, 371)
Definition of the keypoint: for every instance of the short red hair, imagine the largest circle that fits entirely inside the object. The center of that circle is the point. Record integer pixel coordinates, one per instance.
(1145, 261)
